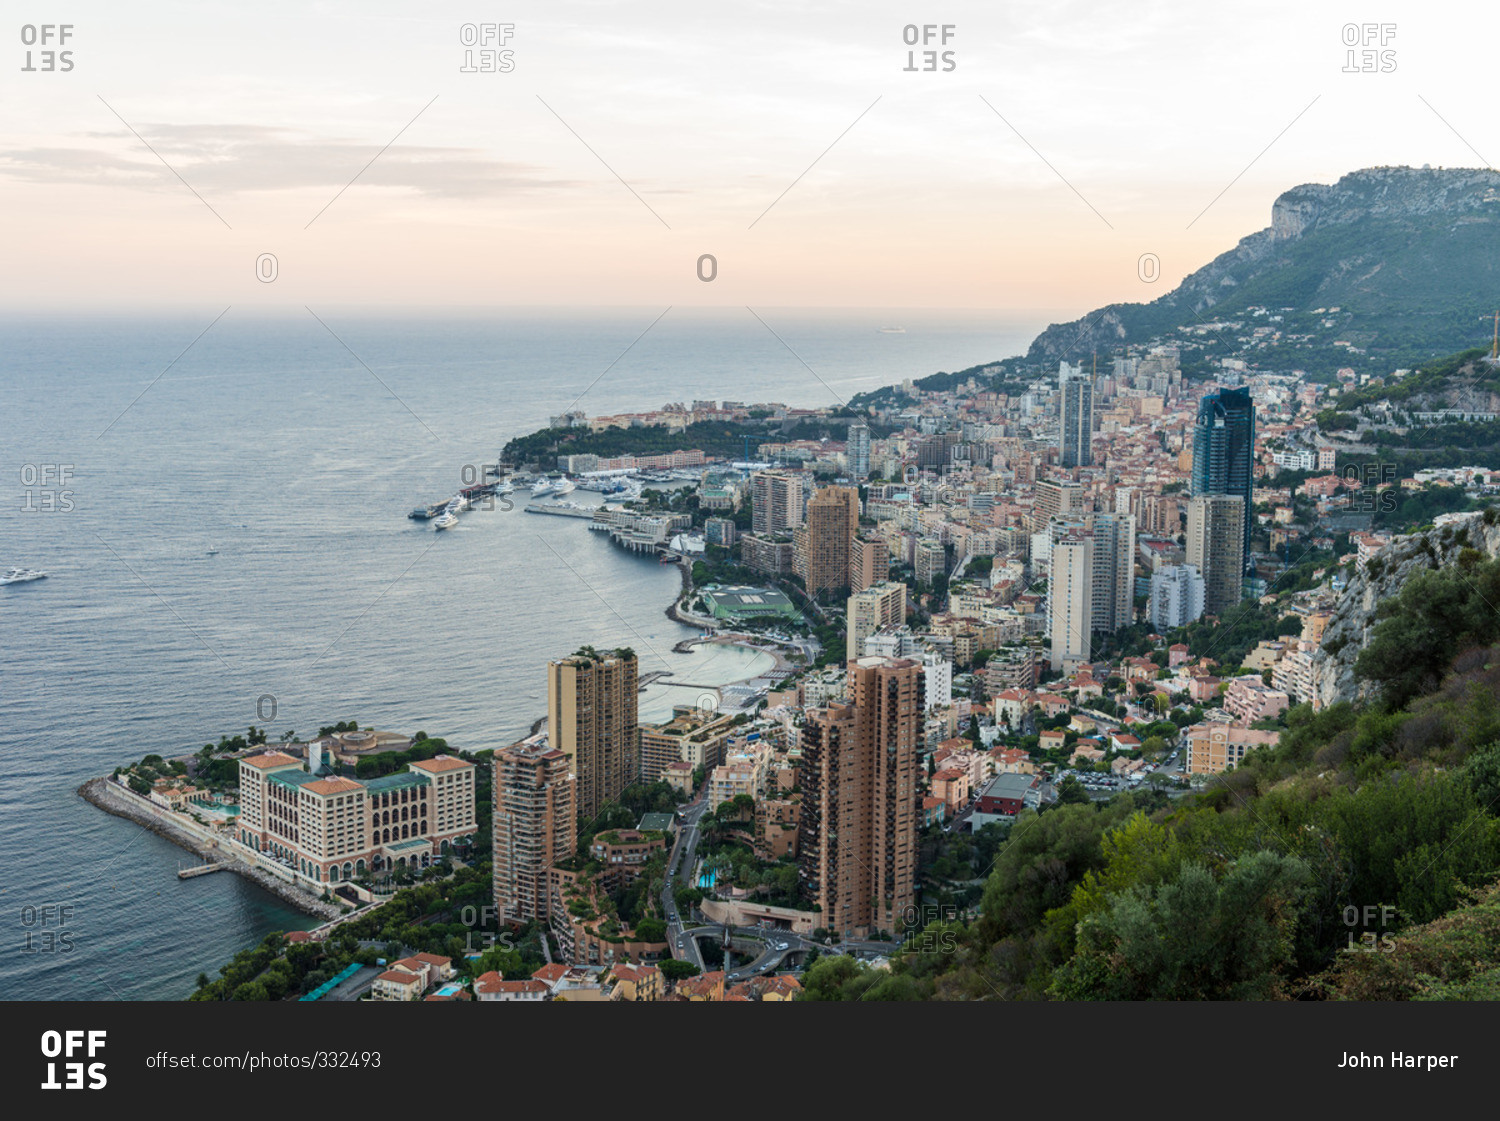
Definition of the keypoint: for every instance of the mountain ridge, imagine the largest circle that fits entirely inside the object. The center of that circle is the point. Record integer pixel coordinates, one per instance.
(1400, 253)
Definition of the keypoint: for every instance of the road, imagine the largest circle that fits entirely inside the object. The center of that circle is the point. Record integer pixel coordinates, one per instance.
(684, 855)
(682, 936)
(781, 943)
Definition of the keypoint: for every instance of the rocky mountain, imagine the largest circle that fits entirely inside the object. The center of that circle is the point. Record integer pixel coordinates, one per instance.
(1381, 578)
(1408, 257)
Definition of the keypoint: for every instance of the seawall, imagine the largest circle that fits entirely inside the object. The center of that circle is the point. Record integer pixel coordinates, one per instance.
(113, 799)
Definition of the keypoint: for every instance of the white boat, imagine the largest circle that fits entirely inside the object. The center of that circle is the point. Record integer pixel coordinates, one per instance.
(541, 487)
(564, 486)
(505, 488)
(459, 502)
(213, 550)
(446, 520)
(22, 576)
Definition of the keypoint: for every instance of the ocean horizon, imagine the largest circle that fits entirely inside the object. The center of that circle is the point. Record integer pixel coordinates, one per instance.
(221, 508)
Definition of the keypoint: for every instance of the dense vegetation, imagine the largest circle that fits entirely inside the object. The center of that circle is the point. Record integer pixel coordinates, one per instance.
(724, 439)
(453, 917)
(1358, 858)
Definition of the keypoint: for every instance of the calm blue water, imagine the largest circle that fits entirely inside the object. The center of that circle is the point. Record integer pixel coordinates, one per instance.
(269, 442)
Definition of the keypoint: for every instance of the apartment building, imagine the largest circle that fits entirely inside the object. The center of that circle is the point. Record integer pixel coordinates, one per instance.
(534, 826)
(592, 719)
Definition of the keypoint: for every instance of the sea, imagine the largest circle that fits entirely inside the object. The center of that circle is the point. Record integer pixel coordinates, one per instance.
(219, 498)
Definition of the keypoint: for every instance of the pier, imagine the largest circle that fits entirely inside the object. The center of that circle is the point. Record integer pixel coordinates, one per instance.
(561, 511)
(197, 870)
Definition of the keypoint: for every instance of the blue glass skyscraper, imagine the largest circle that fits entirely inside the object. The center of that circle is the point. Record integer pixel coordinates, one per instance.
(1224, 449)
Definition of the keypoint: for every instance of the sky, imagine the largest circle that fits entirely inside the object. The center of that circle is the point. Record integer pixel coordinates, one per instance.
(1075, 154)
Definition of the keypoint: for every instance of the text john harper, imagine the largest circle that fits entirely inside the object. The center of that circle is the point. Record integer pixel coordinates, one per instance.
(1352, 1060)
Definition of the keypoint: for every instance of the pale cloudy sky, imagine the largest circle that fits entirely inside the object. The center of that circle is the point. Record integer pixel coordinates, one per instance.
(1069, 139)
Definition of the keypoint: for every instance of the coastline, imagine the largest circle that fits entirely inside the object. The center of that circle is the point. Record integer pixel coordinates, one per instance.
(107, 796)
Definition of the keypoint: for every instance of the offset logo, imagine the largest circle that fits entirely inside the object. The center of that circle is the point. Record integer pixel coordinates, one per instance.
(45, 35)
(490, 38)
(74, 1046)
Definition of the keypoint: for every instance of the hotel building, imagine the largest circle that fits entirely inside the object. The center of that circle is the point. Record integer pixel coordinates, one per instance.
(328, 829)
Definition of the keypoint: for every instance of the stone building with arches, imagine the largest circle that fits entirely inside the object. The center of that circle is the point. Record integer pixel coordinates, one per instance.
(327, 830)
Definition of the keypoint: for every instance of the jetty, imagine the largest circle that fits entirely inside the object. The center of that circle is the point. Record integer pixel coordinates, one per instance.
(561, 511)
(112, 798)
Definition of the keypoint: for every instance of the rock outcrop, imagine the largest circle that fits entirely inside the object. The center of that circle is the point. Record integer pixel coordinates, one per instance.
(1354, 616)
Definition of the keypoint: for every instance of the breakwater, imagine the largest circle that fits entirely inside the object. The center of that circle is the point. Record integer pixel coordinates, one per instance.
(113, 799)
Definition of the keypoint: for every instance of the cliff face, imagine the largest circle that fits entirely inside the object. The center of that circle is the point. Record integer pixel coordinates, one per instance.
(1354, 616)
(1381, 237)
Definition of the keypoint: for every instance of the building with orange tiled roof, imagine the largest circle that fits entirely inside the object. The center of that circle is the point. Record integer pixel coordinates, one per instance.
(637, 982)
(704, 987)
(397, 984)
(492, 986)
(327, 829)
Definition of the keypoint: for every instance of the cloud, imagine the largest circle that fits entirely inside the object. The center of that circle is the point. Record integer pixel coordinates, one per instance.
(231, 159)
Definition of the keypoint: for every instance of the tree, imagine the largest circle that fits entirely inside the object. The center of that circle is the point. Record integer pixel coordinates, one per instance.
(1192, 937)
(1437, 614)
(674, 970)
(1071, 791)
(835, 978)
(651, 930)
(251, 990)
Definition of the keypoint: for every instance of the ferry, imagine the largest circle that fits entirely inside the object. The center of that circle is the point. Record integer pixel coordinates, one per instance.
(446, 520)
(22, 576)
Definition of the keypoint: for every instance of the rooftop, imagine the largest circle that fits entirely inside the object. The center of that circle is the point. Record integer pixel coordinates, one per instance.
(441, 764)
(395, 782)
(270, 759)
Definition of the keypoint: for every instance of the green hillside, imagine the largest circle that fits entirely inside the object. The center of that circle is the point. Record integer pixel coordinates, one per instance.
(1360, 857)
